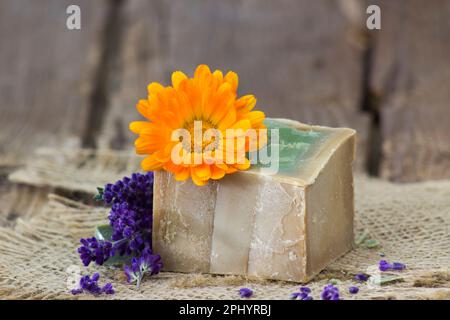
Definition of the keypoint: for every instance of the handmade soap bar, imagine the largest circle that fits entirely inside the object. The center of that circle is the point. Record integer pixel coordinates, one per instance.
(285, 226)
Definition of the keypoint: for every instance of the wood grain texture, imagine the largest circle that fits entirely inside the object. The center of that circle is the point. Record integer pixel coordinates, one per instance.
(46, 74)
(302, 59)
(19, 201)
(411, 77)
(75, 171)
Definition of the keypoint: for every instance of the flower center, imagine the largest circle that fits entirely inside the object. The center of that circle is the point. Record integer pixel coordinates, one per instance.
(200, 141)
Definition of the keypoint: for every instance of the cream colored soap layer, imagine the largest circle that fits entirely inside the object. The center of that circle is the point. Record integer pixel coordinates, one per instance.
(183, 217)
(330, 210)
(278, 241)
(233, 224)
(286, 227)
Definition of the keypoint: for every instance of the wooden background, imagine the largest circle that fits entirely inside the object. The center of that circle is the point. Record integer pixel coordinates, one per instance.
(313, 61)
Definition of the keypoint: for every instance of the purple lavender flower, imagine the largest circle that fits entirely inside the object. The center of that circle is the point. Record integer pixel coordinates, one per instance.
(295, 295)
(330, 292)
(94, 250)
(90, 285)
(385, 266)
(130, 217)
(129, 234)
(147, 263)
(361, 277)
(398, 266)
(108, 288)
(303, 294)
(305, 290)
(353, 290)
(299, 295)
(245, 292)
(131, 212)
(76, 291)
(137, 191)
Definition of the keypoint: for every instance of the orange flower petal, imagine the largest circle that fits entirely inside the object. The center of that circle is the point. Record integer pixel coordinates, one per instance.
(162, 156)
(143, 146)
(231, 170)
(217, 173)
(143, 108)
(177, 78)
(232, 78)
(218, 75)
(182, 175)
(201, 72)
(154, 88)
(138, 126)
(256, 117)
(227, 120)
(203, 171)
(222, 166)
(245, 104)
(243, 166)
(151, 164)
(244, 125)
(196, 179)
(222, 107)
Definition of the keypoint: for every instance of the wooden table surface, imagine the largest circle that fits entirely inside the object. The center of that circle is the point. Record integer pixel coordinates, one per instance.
(313, 61)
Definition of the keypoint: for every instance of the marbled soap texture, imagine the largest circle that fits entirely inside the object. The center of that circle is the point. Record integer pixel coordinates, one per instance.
(286, 226)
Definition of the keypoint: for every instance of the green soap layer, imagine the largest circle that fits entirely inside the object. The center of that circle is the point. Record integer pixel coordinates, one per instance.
(296, 146)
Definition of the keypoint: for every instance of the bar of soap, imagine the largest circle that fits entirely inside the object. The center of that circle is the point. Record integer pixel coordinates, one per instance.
(287, 226)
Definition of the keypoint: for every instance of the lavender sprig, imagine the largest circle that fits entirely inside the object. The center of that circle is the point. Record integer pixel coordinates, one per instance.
(147, 264)
(130, 217)
(353, 290)
(245, 292)
(385, 266)
(303, 294)
(330, 292)
(131, 201)
(90, 285)
(361, 277)
(94, 250)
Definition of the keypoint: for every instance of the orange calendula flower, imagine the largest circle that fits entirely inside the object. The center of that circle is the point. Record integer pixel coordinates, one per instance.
(198, 127)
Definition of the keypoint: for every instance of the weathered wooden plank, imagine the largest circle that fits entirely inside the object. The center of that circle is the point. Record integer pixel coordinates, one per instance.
(301, 59)
(411, 76)
(46, 74)
(19, 201)
(72, 171)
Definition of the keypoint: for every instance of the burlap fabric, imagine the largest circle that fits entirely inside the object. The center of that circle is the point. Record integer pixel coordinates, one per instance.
(38, 253)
